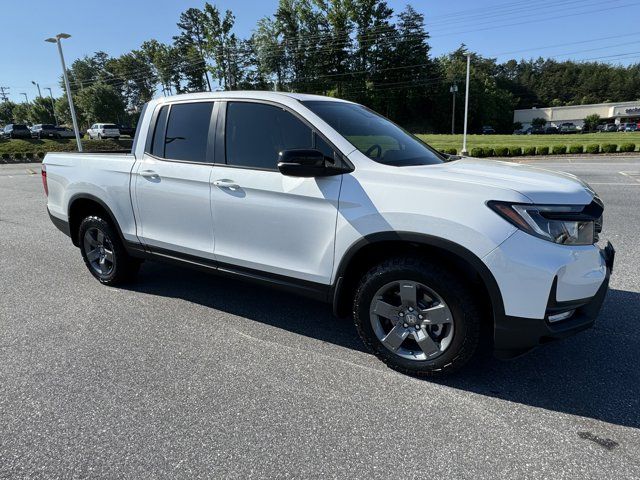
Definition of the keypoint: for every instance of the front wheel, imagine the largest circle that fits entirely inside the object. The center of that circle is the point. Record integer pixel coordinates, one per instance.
(417, 317)
(103, 252)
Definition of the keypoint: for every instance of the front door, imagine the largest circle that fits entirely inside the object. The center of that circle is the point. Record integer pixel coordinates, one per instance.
(264, 220)
(172, 183)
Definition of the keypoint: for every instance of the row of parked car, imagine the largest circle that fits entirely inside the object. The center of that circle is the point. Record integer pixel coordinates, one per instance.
(98, 131)
(622, 127)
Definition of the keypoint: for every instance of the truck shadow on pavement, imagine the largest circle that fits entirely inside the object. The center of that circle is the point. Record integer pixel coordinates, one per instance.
(595, 374)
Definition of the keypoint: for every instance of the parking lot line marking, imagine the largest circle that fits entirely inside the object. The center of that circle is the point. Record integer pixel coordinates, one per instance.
(635, 176)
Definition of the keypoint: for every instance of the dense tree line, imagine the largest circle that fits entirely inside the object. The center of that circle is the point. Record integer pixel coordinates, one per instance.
(355, 49)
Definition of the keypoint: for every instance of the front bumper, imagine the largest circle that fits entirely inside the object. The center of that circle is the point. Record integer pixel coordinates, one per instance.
(514, 336)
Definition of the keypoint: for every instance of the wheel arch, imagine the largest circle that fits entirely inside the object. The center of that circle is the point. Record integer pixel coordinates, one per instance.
(83, 204)
(374, 247)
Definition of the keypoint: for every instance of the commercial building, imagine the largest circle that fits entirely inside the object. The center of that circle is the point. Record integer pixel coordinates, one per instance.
(609, 112)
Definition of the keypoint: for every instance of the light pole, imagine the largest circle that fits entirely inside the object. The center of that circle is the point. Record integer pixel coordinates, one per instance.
(25, 96)
(466, 108)
(453, 90)
(53, 105)
(56, 40)
(37, 85)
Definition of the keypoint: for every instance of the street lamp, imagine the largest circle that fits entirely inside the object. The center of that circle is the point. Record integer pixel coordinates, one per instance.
(454, 91)
(25, 96)
(56, 40)
(466, 108)
(37, 85)
(53, 105)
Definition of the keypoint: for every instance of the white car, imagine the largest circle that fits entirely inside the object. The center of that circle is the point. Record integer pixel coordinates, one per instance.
(103, 130)
(325, 198)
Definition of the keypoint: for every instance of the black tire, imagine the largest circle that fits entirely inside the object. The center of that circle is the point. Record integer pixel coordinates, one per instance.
(457, 295)
(122, 268)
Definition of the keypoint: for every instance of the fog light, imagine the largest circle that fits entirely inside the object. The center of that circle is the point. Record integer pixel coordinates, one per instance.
(560, 316)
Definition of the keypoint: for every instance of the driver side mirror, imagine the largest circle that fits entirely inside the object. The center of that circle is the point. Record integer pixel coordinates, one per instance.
(307, 163)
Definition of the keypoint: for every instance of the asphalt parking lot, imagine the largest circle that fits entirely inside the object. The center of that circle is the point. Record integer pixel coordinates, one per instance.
(189, 375)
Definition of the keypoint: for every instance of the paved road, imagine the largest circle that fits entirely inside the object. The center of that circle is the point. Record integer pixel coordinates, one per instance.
(188, 375)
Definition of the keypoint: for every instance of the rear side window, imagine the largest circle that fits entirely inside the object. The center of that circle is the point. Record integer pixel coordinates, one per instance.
(256, 133)
(157, 148)
(188, 131)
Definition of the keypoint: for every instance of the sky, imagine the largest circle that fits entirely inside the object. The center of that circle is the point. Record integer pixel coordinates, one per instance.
(603, 30)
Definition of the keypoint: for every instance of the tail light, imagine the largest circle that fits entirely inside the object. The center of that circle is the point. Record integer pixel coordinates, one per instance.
(44, 180)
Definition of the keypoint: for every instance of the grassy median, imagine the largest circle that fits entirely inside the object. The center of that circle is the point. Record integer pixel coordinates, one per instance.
(34, 146)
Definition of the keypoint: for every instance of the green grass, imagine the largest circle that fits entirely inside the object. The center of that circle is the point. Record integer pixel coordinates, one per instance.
(66, 145)
(455, 141)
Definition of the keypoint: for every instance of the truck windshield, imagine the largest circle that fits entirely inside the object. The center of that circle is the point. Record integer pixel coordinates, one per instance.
(375, 136)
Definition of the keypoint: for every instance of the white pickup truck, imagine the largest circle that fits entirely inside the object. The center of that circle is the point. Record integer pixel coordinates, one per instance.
(326, 198)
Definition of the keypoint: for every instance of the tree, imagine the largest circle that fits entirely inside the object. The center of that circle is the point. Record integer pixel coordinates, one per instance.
(41, 111)
(591, 122)
(22, 113)
(6, 112)
(164, 60)
(100, 103)
(191, 43)
(538, 122)
(517, 126)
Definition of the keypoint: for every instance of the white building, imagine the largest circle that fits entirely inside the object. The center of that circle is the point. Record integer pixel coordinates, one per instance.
(610, 112)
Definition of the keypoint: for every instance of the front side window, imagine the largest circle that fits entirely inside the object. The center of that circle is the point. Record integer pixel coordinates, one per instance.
(378, 138)
(256, 133)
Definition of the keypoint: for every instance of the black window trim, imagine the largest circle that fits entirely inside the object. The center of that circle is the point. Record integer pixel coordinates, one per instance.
(211, 141)
(221, 141)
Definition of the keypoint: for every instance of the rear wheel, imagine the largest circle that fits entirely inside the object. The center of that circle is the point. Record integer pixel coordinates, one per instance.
(103, 252)
(417, 317)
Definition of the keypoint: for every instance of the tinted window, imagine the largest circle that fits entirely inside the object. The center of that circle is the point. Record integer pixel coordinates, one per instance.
(375, 136)
(109, 125)
(256, 133)
(188, 131)
(157, 148)
(20, 127)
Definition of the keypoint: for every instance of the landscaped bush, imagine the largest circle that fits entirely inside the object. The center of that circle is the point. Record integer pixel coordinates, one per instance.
(41, 155)
(452, 151)
(593, 148)
(542, 150)
(6, 156)
(477, 152)
(502, 151)
(515, 151)
(529, 151)
(559, 149)
(609, 148)
(628, 147)
(29, 156)
(17, 156)
(576, 149)
(488, 152)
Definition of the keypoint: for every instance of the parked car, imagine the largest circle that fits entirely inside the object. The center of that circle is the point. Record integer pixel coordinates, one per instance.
(127, 130)
(621, 127)
(103, 130)
(610, 127)
(488, 130)
(64, 132)
(535, 131)
(44, 130)
(567, 127)
(297, 191)
(630, 127)
(16, 130)
(551, 130)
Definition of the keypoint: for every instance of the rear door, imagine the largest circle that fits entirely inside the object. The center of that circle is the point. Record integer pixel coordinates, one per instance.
(264, 220)
(171, 192)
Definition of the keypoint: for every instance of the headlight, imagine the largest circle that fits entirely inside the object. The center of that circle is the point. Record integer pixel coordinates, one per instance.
(563, 224)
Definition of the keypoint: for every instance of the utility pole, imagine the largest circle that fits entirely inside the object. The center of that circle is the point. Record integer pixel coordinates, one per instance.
(56, 40)
(453, 90)
(4, 94)
(53, 105)
(466, 108)
(37, 85)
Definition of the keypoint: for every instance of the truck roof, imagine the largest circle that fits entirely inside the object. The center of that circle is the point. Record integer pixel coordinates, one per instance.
(249, 94)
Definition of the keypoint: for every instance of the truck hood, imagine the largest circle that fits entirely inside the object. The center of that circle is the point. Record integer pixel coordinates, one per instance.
(539, 185)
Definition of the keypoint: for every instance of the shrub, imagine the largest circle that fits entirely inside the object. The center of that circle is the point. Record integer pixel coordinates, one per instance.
(628, 147)
(559, 149)
(609, 148)
(502, 151)
(17, 156)
(6, 156)
(41, 155)
(452, 151)
(530, 151)
(515, 151)
(542, 150)
(477, 152)
(593, 148)
(489, 152)
(29, 156)
(576, 149)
